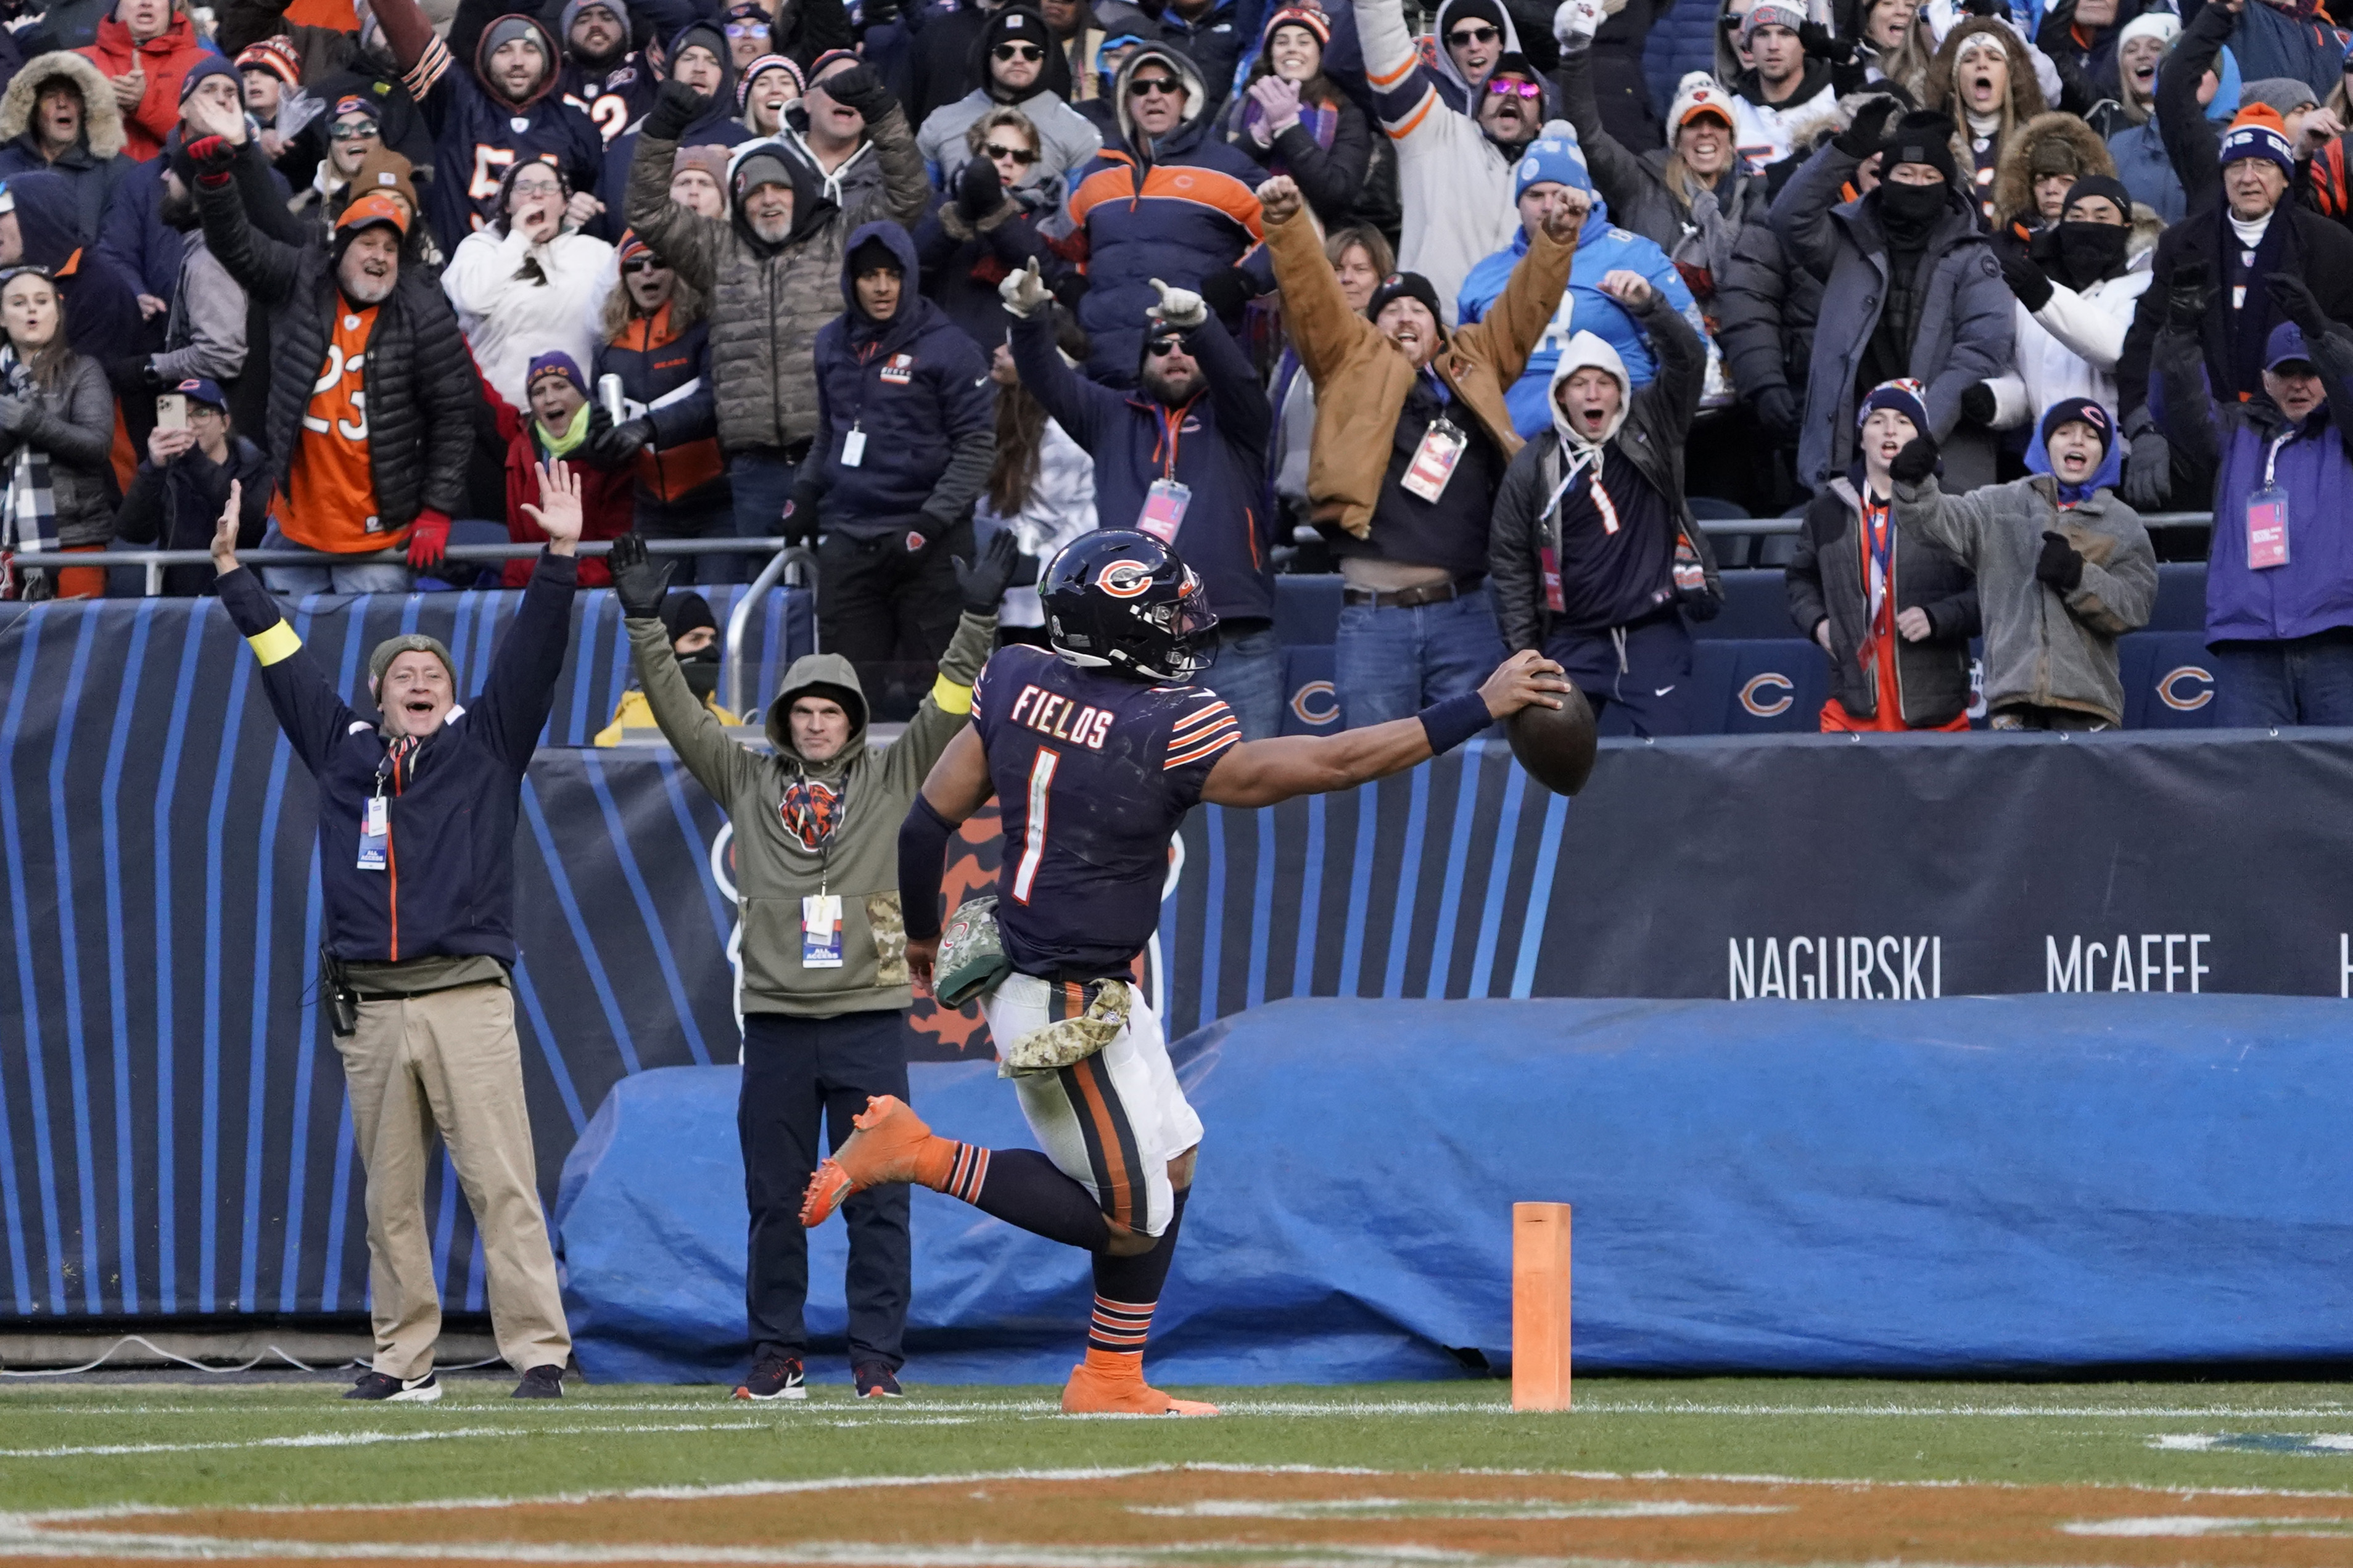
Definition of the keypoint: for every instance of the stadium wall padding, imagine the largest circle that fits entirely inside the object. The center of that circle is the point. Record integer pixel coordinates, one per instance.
(1972, 1185)
(173, 1134)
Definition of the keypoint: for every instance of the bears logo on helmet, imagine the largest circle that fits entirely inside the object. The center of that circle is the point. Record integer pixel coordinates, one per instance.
(1125, 579)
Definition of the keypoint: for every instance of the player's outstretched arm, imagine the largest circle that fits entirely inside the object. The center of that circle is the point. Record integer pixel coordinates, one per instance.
(957, 785)
(1260, 772)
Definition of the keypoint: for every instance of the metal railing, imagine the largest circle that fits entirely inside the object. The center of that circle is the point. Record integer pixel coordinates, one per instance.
(1752, 527)
(795, 564)
(154, 560)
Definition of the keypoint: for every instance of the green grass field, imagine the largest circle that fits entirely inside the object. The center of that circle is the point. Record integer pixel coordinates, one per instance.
(176, 1443)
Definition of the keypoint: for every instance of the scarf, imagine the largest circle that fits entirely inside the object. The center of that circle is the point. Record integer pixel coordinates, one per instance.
(29, 519)
(563, 445)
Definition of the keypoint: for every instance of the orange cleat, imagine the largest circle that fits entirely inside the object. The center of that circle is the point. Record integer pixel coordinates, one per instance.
(1097, 1388)
(892, 1144)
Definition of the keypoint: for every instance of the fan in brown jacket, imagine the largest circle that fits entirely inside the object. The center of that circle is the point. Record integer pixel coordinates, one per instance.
(1411, 439)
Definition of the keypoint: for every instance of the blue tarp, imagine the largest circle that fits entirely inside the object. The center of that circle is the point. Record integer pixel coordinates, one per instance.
(1975, 1184)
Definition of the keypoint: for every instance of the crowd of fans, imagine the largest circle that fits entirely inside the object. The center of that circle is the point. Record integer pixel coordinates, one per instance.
(1477, 302)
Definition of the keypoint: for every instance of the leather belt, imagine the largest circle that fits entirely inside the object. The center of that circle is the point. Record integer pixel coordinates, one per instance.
(1407, 598)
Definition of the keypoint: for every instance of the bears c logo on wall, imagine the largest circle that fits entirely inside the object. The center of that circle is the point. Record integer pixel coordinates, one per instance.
(1125, 579)
(2168, 689)
(1316, 703)
(1754, 698)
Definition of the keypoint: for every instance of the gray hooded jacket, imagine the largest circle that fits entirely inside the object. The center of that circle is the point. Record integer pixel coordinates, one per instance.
(849, 807)
(2042, 647)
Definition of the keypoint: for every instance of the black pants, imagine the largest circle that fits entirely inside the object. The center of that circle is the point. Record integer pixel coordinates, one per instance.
(796, 1070)
(890, 610)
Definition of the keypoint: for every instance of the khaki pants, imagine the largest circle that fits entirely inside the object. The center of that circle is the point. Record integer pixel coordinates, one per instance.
(449, 1060)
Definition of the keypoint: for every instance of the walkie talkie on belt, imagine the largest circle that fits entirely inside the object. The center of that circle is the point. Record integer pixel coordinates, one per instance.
(342, 1002)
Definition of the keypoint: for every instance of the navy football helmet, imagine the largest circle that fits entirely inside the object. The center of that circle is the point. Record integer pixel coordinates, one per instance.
(1123, 601)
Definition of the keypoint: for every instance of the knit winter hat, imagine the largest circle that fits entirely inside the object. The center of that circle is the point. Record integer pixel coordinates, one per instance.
(1771, 14)
(1551, 160)
(415, 642)
(1922, 136)
(2100, 185)
(710, 158)
(1486, 11)
(571, 14)
(2084, 410)
(211, 65)
(762, 168)
(2285, 93)
(276, 56)
(1020, 23)
(2162, 25)
(385, 171)
(1307, 16)
(352, 103)
(684, 611)
(1404, 286)
(2259, 133)
(1698, 94)
(763, 65)
(1905, 396)
(630, 248)
(555, 362)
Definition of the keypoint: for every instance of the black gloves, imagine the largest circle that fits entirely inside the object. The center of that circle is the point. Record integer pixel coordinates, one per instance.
(860, 88)
(2188, 295)
(800, 521)
(2294, 302)
(1820, 44)
(878, 13)
(638, 581)
(2028, 281)
(677, 107)
(2148, 472)
(2059, 565)
(1778, 411)
(1869, 131)
(978, 190)
(1915, 462)
(617, 446)
(1978, 405)
(982, 583)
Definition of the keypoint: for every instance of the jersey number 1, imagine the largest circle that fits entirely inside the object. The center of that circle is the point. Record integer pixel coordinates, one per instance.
(1033, 841)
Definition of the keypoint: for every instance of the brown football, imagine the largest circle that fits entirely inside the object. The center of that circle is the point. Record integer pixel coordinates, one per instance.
(1555, 744)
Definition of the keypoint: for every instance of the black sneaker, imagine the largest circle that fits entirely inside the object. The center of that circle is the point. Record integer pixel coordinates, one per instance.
(540, 1382)
(376, 1385)
(874, 1381)
(775, 1377)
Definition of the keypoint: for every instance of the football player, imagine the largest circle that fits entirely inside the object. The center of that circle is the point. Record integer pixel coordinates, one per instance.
(1095, 749)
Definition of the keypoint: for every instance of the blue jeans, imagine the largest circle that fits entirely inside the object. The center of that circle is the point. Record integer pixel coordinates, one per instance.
(1249, 675)
(1391, 663)
(361, 577)
(2308, 681)
(762, 482)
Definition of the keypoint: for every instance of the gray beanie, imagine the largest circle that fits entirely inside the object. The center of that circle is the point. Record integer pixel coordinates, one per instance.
(415, 642)
(2285, 93)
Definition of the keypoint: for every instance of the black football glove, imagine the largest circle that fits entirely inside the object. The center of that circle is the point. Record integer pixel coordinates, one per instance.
(639, 581)
(1915, 462)
(2059, 565)
(2188, 295)
(677, 107)
(2294, 302)
(1868, 132)
(860, 88)
(1977, 405)
(1820, 43)
(1778, 411)
(982, 583)
(978, 189)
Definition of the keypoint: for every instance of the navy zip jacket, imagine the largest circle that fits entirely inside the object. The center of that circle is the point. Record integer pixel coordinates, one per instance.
(918, 391)
(448, 888)
(1216, 445)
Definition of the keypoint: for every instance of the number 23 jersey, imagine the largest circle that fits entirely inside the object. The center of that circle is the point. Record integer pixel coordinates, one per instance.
(1093, 772)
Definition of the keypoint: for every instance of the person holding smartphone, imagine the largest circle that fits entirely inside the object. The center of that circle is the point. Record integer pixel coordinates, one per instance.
(193, 457)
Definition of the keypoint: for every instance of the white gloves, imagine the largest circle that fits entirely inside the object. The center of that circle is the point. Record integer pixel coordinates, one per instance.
(1576, 22)
(1180, 308)
(1024, 291)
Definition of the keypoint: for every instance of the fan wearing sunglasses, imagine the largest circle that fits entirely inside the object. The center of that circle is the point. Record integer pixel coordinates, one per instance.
(1459, 123)
(986, 225)
(1015, 51)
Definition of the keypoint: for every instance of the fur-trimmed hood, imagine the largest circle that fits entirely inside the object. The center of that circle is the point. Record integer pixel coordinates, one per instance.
(101, 119)
(2025, 92)
(2013, 182)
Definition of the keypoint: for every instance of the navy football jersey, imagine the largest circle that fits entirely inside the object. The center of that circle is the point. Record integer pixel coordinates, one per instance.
(1092, 773)
(476, 138)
